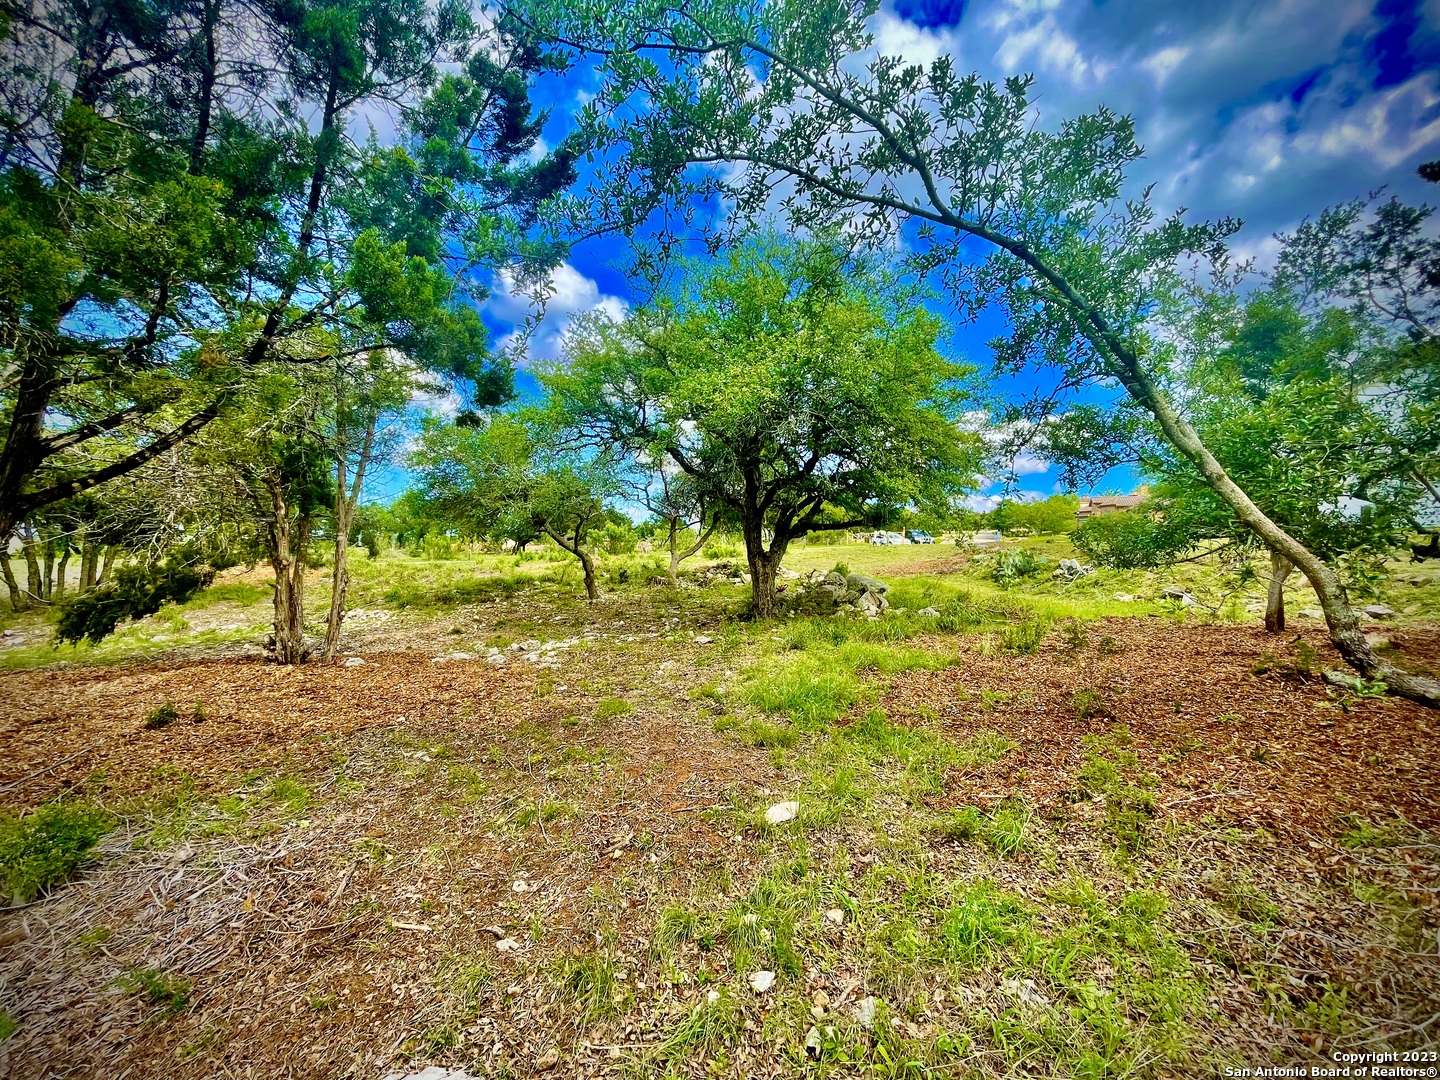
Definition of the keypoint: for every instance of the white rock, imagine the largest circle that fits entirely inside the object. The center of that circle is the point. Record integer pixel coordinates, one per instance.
(712, 997)
(782, 812)
(507, 945)
(835, 915)
(521, 886)
(865, 1012)
(760, 981)
(354, 661)
(1378, 611)
(495, 660)
(930, 611)
(531, 645)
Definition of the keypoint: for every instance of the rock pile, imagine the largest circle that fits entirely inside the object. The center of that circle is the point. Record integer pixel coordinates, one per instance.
(856, 592)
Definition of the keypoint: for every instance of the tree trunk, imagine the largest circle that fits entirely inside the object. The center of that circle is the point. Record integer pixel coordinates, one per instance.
(763, 566)
(1280, 568)
(1345, 632)
(60, 570)
(34, 586)
(345, 503)
(105, 564)
(674, 555)
(287, 558)
(18, 601)
(47, 577)
(89, 556)
(576, 547)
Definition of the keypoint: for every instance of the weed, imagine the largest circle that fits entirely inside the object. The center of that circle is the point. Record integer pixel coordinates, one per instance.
(7, 1025)
(1005, 834)
(1359, 833)
(44, 848)
(1074, 636)
(169, 993)
(593, 985)
(161, 716)
(983, 920)
(1086, 703)
(961, 823)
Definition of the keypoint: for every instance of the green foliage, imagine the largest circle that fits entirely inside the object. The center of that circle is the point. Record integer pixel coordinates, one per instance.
(169, 993)
(161, 716)
(45, 847)
(1130, 540)
(136, 592)
(788, 361)
(1042, 517)
(1113, 772)
(1016, 565)
(609, 708)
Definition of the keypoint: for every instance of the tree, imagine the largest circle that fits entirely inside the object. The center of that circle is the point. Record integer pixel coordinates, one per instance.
(365, 395)
(509, 478)
(1055, 514)
(1001, 211)
(780, 384)
(683, 508)
(170, 223)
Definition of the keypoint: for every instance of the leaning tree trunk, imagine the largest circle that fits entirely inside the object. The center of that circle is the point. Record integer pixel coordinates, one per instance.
(576, 546)
(676, 555)
(34, 583)
(1280, 568)
(18, 601)
(60, 570)
(1345, 632)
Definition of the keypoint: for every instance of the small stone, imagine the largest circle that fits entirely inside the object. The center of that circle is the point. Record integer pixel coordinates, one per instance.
(930, 611)
(781, 813)
(821, 999)
(496, 659)
(548, 1060)
(703, 640)
(865, 1012)
(520, 886)
(712, 997)
(1312, 613)
(507, 945)
(750, 919)
(760, 981)
(1378, 611)
(836, 916)
(354, 661)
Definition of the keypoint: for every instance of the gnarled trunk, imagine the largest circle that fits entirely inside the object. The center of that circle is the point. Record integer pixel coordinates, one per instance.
(1280, 568)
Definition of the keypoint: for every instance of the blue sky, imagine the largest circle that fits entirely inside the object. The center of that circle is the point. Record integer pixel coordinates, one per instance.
(1264, 111)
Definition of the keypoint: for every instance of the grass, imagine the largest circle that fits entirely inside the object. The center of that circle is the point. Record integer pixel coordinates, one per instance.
(168, 993)
(44, 848)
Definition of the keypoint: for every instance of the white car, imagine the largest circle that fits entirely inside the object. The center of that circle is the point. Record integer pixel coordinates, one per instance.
(879, 536)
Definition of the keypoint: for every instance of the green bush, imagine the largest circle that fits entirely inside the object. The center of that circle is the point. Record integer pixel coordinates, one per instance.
(136, 592)
(1131, 540)
(45, 847)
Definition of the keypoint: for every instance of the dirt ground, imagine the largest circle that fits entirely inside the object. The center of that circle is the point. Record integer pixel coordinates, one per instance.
(357, 869)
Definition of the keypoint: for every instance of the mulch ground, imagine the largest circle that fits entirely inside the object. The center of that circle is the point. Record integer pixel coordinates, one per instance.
(1219, 713)
(317, 949)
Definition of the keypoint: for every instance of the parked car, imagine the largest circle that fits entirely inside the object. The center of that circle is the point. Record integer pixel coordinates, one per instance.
(920, 536)
(880, 536)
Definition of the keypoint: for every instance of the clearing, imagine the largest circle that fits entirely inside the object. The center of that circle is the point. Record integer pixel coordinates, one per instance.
(1052, 830)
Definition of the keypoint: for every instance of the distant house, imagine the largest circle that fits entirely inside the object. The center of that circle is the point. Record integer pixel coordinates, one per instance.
(1100, 505)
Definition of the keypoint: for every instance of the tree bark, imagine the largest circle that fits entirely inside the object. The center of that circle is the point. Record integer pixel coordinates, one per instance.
(287, 557)
(34, 585)
(18, 601)
(47, 577)
(1280, 568)
(89, 557)
(60, 570)
(106, 562)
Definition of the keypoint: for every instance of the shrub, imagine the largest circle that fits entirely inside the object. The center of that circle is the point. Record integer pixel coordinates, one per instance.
(47, 846)
(1128, 541)
(1013, 566)
(162, 716)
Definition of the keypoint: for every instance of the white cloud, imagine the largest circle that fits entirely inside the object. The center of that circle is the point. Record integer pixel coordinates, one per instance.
(542, 316)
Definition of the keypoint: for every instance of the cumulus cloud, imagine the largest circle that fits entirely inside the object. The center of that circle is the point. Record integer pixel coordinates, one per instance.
(1264, 112)
(540, 318)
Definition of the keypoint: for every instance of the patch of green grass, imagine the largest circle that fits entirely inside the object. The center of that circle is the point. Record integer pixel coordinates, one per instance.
(609, 708)
(289, 793)
(1113, 772)
(161, 716)
(980, 923)
(233, 592)
(169, 993)
(592, 984)
(44, 848)
(1086, 703)
(811, 693)
(1359, 833)
(7, 1025)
